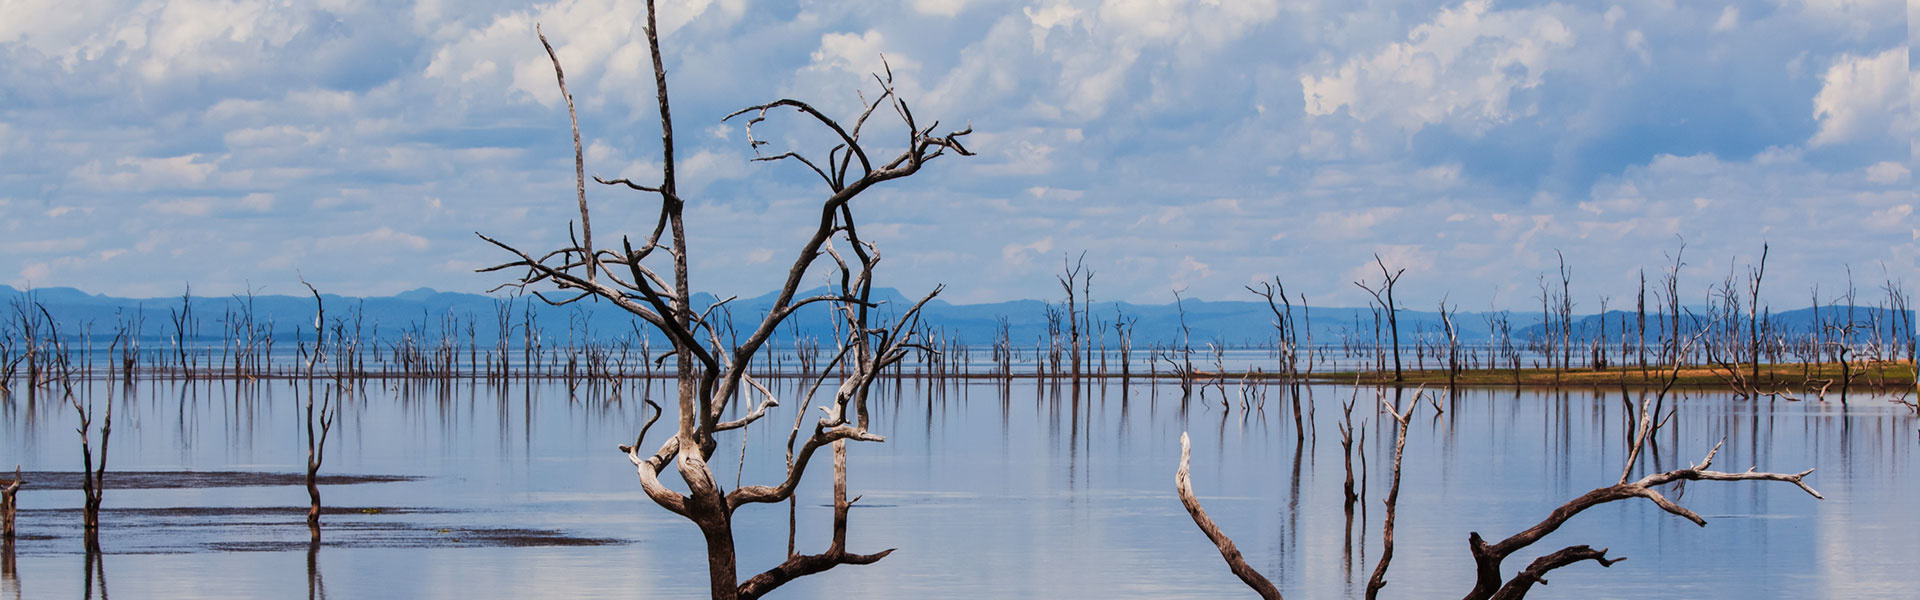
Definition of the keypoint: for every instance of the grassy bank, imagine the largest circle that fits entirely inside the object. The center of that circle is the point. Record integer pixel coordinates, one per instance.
(1792, 376)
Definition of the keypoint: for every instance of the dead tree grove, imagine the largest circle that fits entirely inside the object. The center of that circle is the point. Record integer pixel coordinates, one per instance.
(1489, 581)
(649, 279)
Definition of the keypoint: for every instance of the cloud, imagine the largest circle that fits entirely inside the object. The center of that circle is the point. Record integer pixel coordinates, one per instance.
(1729, 19)
(1865, 96)
(944, 8)
(1465, 66)
(1188, 272)
(1017, 254)
(226, 142)
(383, 238)
(1351, 224)
(141, 173)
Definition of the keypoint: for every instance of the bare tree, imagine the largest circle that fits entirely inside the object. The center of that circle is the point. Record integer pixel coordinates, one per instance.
(1641, 323)
(329, 409)
(1453, 342)
(1074, 276)
(1566, 312)
(708, 374)
(1183, 367)
(1387, 305)
(1183, 482)
(1379, 578)
(1672, 284)
(1487, 557)
(1288, 334)
(1754, 274)
(317, 450)
(1283, 324)
(184, 328)
(93, 476)
(1489, 582)
(8, 491)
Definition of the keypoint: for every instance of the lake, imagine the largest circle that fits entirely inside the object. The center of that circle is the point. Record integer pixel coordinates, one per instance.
(1022, 490)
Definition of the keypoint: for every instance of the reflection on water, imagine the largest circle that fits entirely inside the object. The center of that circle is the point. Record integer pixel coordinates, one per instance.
(9, 574)
(1027, 489)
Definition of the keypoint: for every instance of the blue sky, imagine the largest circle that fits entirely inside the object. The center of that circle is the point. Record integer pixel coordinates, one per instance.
(1183, 144)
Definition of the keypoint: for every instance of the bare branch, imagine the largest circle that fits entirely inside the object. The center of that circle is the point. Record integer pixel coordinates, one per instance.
(579, 160)
(1183, 482)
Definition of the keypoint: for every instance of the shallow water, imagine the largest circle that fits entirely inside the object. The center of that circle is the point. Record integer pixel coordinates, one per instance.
(986, 491)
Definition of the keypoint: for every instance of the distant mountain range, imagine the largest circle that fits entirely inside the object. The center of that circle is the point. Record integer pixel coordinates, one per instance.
(426, 312)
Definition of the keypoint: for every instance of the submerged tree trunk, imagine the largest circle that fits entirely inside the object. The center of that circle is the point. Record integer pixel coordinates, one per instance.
(8, 491)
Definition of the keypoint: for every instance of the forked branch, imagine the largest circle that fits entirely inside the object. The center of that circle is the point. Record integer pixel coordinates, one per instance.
(1487, 557)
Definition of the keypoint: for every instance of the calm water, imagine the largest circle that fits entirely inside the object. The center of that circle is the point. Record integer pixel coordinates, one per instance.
(986, 491)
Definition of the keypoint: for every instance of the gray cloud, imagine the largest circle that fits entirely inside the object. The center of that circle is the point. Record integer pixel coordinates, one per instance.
(1194, 145)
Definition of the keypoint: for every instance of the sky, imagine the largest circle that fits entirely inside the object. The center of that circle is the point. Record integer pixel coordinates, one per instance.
(1192, 145)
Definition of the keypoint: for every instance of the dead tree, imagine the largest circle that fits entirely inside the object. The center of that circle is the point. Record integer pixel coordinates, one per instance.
(1640, 323)
(1288, 342)
(1672, 284)
(1183, 367)
(329, 409)
(1453, 343)
(93, 476)
(1489, 583)
(1283, 324)
(1754, 274)
(1487, 557)
(1183, 482)
(1566, 312)
(1071, 280)
(317, 450)
(1488, 580)
(708, 376)
(9, 362)
(1379, 578)
(1387, 305)
(8, 491)
(184, 329)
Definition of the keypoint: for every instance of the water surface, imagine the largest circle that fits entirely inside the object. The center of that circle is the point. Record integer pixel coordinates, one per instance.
(1025, 490)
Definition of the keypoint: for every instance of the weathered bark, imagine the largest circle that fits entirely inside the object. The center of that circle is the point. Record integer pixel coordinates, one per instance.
(329, 408)
(1183, 482)
(1487, 557)
(1070, 281)
(1379, 579)
(710, 373)
(316, 452)
(8, 503)
(1536, 571)
(800, 565)
(1753, 313)
(93, 476)
(1383, 296)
